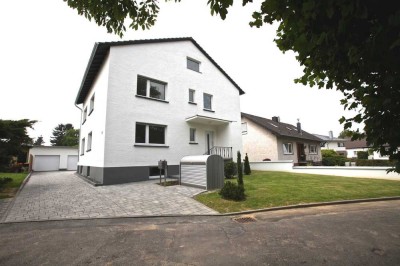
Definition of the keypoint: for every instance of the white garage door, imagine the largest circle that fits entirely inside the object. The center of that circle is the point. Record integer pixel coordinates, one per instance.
(72, 162)
(46, 163)
(194, 175)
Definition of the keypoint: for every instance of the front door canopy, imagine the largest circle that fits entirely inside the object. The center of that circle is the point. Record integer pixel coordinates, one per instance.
(206, 120)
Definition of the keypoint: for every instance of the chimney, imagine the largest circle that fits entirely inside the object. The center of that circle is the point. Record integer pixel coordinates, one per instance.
(331, 134)
(276, 119)
(298, 126)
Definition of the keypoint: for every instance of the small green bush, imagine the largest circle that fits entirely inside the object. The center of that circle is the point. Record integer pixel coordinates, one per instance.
(362, 155)
(232, 191)
(331, 158)
(230, 169)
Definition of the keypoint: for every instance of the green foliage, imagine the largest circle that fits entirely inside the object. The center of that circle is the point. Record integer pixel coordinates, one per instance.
(331, 158)
(362, 155)
(4, 180)
(247, 170)
(363, 162)
(14, 139)
(232, 191)
(39, 141)
(239, 169)
(65, 135)
(345, 134)
(230, 169)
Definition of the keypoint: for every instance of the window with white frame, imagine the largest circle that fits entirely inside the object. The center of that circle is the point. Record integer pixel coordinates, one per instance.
(84, 115)
(313, 149)
(340, 144)
(89, 142)
(192, 135)
(91, 104)
(193, 64)
(244, 128)
(83, 146)
(191, 95)
(151, 88)
(207, 101)
(149, 134)
(288, 148)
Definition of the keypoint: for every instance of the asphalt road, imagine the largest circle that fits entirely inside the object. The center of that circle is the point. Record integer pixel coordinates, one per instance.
(353, 234)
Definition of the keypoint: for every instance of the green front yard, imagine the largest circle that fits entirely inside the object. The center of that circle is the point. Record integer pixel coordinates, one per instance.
(9, 189)
(271, 189)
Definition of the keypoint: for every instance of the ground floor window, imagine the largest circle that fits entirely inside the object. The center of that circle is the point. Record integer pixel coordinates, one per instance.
(288, 148)
(313, 149)
(150, 134)
(192, 135)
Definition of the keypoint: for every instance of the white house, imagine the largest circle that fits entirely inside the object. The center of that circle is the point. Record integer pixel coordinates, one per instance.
(332, 143)
(148, 100)
(53, 158)
(355, 146)
(271, 140)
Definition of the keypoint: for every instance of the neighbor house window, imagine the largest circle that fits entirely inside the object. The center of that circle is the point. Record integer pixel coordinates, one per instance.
(83, 146)
(244, 128)
(89, 142)
(340, 144)
(313, 149)
(193, 64)
(192, 135)
(149, 134)
(191, 95)
(288, 148)
(91, 104)
(151, 88)
(207, 98)
(84, 115)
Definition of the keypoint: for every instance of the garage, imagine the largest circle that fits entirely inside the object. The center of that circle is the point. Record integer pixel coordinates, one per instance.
(46, 163)
(72, 162)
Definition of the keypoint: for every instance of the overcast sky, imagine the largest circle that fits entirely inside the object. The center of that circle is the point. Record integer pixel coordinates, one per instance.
(46, 47)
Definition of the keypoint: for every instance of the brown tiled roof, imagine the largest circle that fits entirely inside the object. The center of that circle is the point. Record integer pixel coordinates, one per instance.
(355, 144)
(281, 129)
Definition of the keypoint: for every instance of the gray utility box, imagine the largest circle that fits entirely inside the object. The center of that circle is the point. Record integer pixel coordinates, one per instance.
(203, 171)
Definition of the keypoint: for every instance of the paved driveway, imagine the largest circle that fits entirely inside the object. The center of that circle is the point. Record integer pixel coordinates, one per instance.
(63, 195)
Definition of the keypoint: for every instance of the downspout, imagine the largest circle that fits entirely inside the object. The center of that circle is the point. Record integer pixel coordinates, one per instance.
(80, 132)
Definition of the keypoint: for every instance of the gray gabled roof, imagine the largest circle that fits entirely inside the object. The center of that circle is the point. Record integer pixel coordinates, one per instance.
(281, 129)
(327, 138)
(101, 49)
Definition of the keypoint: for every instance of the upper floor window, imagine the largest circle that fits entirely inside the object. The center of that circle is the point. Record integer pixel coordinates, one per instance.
(83, 146)
(84, 115)
(340, 144)
(313, 149)
(244, 128)
(193, 64)
(151, 88)
(288, 148)
(149, 134)
(191, 95)
(207, 99)
(89, 142)
(91, 104)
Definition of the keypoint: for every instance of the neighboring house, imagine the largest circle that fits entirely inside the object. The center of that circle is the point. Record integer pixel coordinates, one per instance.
(265, 139)
(353, 147)
(332, 143)
(52, 158)
(149, 100)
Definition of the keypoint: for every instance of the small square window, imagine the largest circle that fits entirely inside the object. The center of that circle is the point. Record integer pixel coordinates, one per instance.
(192, 135)
(193, 64)
(244, 128)
(288, 148)
(313, 149)
(191, 95)
(207, 98)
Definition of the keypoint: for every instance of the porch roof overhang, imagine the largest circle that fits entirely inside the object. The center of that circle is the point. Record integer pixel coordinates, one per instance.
(206, 120)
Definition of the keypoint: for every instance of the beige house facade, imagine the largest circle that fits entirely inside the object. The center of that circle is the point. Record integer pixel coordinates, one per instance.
(271, 140)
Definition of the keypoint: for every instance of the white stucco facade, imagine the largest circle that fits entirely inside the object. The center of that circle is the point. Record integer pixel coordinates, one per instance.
(51, 151)
(118, 107)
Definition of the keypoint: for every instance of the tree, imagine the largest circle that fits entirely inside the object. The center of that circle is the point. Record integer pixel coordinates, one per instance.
(345, 134)
(247, 170)
(239, 168)
(14, 139)
(39, 141)
(351, 46)
(64, 135)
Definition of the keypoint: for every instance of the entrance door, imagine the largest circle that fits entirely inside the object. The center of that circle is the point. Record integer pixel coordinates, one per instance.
(301, 155)
(209, 141)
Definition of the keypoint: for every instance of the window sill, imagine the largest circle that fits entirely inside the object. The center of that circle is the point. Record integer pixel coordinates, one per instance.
(288, 154)
(150, 145)
(88, 150)
(193, 143)
(192, 103)
(149, 98)
(84, 122)
(82, 154)
(208, 110)
(91, 111)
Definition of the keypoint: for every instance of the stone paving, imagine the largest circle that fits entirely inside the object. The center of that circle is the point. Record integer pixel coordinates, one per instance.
(63, 195)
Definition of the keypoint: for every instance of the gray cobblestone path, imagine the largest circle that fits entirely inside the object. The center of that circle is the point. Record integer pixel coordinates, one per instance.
(63, 195)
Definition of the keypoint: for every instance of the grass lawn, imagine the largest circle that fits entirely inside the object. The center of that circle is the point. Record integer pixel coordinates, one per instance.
(9, 189)
(271, 189)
